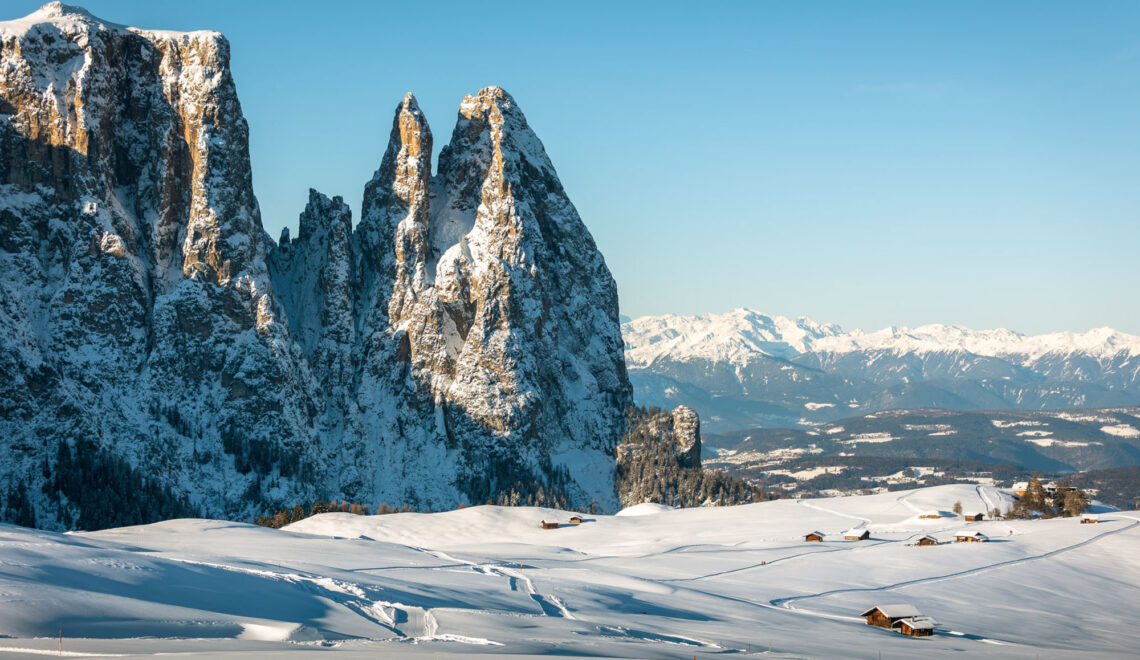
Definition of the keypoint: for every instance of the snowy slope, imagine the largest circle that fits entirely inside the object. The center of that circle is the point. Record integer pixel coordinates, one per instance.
(664, 584)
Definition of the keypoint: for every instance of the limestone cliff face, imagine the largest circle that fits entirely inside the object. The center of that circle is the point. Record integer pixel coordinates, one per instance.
(462, 342)
(139, 330)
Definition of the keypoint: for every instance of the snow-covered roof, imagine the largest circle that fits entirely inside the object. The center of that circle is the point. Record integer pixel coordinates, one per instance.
(965, 533)
(916, 623)
(856, 531)
(821, 534)
(895, 611)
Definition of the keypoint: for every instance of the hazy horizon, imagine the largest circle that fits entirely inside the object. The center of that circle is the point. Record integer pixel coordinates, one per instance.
(868, 165)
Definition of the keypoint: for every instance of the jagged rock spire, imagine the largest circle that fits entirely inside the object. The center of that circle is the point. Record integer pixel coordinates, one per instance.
(395, 214)
(461, 343)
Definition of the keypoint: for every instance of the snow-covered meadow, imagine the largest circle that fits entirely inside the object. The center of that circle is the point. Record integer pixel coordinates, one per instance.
(661, 584)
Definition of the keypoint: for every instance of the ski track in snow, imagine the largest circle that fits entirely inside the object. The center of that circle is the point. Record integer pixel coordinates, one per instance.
(990, 506)
(903, 500)
(550, 604)
(866, 521)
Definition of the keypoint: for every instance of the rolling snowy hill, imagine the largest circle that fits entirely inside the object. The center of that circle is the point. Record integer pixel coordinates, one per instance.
(743, 369)
(662, 584)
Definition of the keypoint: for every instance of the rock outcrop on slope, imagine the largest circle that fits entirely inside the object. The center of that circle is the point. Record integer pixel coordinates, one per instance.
(659, 460)
(687, 435)
(160, 355)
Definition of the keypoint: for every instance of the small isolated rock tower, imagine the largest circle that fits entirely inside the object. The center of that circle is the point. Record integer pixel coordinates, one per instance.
(687, 435)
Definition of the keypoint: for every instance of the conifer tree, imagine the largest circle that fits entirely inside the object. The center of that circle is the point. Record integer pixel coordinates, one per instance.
(1075, 502)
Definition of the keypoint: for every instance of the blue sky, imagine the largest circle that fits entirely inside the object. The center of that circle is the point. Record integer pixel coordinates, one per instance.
(862, 163)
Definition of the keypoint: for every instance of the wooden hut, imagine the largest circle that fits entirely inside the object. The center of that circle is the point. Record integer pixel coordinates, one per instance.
(927, 540)
(919, 626)
(550, 525)
(576, 519)
(977, 517)
(814, 537)
(856, 534)
(884, 616)
(1089, 518)
(967, 537)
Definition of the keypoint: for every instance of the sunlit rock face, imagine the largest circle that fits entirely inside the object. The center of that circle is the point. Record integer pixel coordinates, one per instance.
(157, 347)
(501, 310)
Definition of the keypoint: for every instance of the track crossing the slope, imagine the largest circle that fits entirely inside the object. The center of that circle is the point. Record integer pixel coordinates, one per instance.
(788, 602)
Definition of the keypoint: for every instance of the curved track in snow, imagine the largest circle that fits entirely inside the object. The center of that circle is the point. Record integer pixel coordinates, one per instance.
(866, 521)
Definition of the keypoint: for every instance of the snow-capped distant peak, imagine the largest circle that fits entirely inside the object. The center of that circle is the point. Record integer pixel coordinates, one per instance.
(732, 337)
(742, 334)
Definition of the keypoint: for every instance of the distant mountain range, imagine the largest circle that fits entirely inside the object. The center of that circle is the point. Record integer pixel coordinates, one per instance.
(743, 369)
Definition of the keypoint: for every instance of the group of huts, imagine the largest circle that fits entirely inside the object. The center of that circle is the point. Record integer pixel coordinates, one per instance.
(902, 618)
(574, 520)
(960, 537)
(935, 515)
(854, 534)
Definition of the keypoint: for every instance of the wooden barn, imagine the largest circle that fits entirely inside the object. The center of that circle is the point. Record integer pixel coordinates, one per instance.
(967, 537)
(856, 534)
(927, 540)
(919, 626)
(576, 519)
(814, 537)
(550, 525)
(884, 616)
(977, 517)
(1089, 518)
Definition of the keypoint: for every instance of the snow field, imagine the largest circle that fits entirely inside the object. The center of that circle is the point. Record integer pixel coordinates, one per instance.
(653, 583)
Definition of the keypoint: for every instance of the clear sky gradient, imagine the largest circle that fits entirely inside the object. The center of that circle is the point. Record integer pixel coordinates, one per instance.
(869, 164)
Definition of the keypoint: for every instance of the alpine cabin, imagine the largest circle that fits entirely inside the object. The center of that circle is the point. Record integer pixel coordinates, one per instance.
(550, 525)
(919, 626)
(1089, 518)
(884, 616)
(927, 540)
(967, 537)
(576, 519)
(857, 534)
(814, 537)
(977, 517)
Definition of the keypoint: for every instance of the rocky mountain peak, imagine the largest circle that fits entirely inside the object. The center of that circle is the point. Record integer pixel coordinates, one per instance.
(59, 10)
(460, 344)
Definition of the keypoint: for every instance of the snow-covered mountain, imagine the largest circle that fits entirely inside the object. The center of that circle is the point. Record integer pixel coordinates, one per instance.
(743, 369)
(160, 355)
